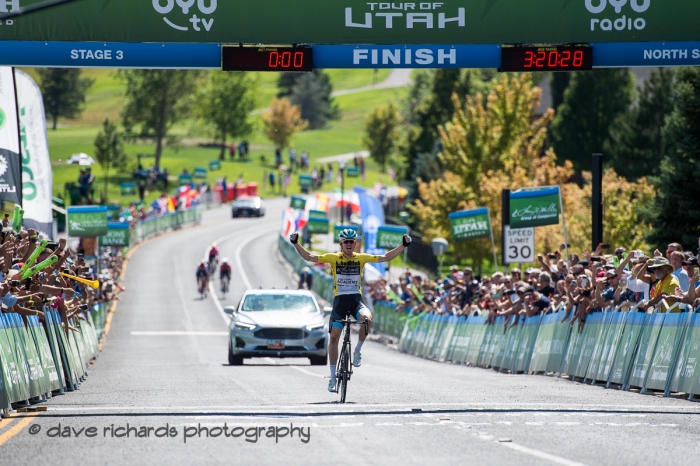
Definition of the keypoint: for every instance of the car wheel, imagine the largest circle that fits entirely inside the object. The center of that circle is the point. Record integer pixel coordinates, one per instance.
(234, 360)
(318, 360)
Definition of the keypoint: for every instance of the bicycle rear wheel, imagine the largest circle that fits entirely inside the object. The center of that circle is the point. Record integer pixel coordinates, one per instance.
(344, 374)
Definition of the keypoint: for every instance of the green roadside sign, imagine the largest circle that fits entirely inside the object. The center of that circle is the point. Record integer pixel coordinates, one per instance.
(184, 178)
(470, 224)
(305, 181)
(214, 165)
(317, 225)
(200, 172)
(353, 172)
(389, 237)
(87, 221)
(298, 203)
(317, 214)
(118, 235)
(356, 22)
(534, 208)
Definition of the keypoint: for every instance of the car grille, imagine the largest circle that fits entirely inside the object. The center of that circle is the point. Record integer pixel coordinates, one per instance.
(286, 348)
(281, 333)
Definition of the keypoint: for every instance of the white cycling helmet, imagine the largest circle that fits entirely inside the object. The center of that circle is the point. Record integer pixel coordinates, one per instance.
(224, 260)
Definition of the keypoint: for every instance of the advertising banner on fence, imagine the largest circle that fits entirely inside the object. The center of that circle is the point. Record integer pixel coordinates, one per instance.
(87, 221)
(352, 21)
(534, 208)
(10, 164)
(470, 224)
(389, 237)
(118, 234)
(37, 176)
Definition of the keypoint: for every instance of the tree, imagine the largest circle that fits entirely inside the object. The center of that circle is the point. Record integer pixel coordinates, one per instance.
(675, 211)
(593, 101)
(155, 101)
(557, 85)
(312, 94)
(64, 92)
(225, 104)
(636, 141)
(381, 133)
(109, 152)
(281, 121)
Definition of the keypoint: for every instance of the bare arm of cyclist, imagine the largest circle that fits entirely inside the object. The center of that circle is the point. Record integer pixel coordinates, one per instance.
(306, 255)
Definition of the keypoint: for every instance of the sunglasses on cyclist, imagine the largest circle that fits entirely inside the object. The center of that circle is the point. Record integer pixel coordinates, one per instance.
(348, 241)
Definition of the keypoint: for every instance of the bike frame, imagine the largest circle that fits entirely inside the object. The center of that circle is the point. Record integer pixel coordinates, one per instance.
(344, 371)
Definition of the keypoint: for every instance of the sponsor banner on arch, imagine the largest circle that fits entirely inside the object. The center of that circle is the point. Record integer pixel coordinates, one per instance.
(534, 208)
(353, 21)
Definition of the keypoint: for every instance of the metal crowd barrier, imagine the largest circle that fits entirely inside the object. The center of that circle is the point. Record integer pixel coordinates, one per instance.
(38, 359)
(652, 352)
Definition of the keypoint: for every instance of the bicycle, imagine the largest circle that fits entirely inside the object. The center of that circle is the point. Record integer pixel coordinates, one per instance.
(224, 284)
(344, 370)
(202, 287)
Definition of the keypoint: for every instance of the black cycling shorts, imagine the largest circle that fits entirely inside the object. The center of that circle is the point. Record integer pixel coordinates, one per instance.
(346, 305)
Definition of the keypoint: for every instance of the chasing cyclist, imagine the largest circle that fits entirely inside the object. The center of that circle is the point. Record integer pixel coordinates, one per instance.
(202, 274)
(225, 274)
(213, 257)
(346, 268)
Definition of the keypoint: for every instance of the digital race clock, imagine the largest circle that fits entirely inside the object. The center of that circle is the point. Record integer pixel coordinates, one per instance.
(550, 58)
(266, 59)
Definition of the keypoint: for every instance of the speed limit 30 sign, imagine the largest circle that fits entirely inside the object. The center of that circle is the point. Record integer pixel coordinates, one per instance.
(519, 245)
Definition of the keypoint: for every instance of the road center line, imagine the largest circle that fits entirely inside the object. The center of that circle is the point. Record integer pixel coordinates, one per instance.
(14, 430)
(540, 454)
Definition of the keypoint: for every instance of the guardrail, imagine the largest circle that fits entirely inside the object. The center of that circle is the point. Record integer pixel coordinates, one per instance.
(656, 352)
(170, 221)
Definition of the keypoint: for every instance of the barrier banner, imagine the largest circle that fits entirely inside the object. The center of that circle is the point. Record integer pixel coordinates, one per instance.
(604, 361)
(19, 375)
(685, 376)
(450, 325)
(508, 348)
(592, 346)
(87, 221)
(666, 349)
(11, 391)
(528, 336)
(573, 352)
(476, 339)
(118, 234)
(627, 348)
(549, 343)
(389, 237)
(460, 340)
(26, 351)
(534, 208)
(645, 351)
(44, 351)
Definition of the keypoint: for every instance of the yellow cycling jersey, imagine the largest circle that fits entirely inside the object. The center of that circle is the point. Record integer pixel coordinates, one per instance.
(347, 273)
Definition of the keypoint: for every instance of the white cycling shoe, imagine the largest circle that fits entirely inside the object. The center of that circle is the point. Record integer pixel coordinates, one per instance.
(357, 359)
(332, 384)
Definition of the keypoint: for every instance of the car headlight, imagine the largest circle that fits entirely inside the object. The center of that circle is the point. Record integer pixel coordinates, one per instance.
(244, 325)
(313, 327)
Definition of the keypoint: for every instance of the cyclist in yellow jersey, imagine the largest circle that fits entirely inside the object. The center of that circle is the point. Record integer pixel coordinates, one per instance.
(346, 268)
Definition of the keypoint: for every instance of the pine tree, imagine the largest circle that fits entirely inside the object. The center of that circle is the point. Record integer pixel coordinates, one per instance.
(557, 85)
(109, 151)
(381, 133)
(675, 212)
(593, 101)
(636, 141)
(312, 94)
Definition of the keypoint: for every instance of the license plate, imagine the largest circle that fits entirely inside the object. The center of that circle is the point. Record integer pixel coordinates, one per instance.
(245, 212)
(275, 344)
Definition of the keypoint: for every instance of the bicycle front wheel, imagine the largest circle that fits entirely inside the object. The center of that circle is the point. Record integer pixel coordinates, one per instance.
(344, 375)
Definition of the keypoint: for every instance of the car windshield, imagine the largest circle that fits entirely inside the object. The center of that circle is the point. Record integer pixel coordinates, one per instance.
(246, 203)
(278, 302)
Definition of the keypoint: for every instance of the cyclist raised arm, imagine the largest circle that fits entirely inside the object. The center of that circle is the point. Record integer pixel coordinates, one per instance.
(346, 269)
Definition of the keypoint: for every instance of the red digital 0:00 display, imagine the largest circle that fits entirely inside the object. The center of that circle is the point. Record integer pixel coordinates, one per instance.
(554, 58)
(266, 59)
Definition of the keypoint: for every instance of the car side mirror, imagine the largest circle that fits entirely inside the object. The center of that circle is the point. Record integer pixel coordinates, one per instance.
(230, 310)
(327, 311)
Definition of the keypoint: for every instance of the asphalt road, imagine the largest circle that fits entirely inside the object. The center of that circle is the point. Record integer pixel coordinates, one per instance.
(165, 364)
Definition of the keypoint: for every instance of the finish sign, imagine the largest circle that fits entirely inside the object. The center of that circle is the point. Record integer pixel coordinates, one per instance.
(519, 245)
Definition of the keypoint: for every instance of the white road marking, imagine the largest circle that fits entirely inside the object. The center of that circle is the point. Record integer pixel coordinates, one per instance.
(239, 263)
(182, 333)
(218, 305)
(540, 454)
(297, 368)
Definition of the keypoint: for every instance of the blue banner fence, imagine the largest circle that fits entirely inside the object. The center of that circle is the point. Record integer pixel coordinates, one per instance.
(650, 352)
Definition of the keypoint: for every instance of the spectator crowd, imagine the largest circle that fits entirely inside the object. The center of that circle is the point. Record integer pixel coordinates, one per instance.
(34, 276)
(579, 285)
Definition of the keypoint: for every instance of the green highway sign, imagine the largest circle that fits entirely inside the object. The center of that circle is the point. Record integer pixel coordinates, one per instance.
(353, 21)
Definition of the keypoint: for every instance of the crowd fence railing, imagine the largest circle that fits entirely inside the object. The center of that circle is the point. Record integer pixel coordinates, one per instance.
(39, 358)
(646, 351)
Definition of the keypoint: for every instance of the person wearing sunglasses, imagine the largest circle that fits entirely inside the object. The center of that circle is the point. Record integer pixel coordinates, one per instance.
(346, 270)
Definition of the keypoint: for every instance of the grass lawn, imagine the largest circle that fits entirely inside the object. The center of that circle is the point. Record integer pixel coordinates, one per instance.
(341, 136)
